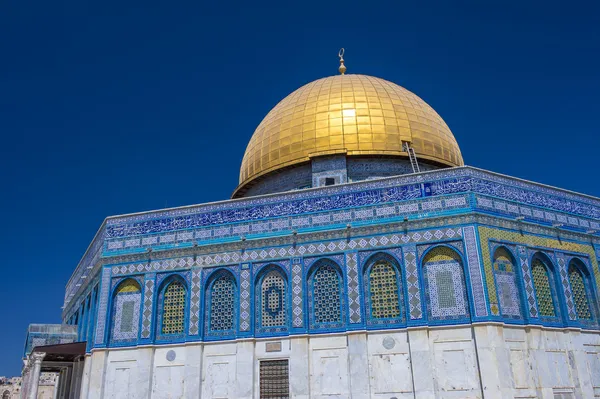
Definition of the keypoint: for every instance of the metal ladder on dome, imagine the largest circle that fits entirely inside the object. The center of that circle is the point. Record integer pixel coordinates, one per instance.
(411, 156)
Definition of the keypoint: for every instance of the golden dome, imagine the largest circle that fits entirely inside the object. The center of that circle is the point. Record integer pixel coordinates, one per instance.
(347, 114)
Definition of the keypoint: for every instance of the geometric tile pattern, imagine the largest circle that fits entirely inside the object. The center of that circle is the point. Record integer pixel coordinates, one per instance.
(148, 304)
(352, 286)
(412, 281)
(566, 286)
(195, 302)
(475, 272)
(309, 249)
(102, 306)
(297, 299)
(126, 316)
(579, 293)
(509, 294)
(445, 289)
(528, 281)
(487, 233)
(245, 297)
(543, 292)
(336, 199)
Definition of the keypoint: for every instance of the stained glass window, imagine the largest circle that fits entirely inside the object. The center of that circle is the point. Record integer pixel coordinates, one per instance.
(222, 300)
(582, 306)
(543, 293)
(383, 284)
(326, 291)
(174, 309)
(273, 300)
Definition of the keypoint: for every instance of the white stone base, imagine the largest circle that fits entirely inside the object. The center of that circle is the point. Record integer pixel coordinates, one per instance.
(491, 361)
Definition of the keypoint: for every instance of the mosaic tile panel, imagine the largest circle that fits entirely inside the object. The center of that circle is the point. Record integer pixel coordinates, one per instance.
(509, 294)
(148, 305)
(260, 255)
(412, 282)
(194, 328)
(173, 314)
(566, 287)
(445, 290)
(543, 292)
(582, 307)
(297, 297)
(476, 276)
(528, 281)
(443, 182)
(102, 307)
(245, 297)
(487, 233)
(126, 316)
(352, 287)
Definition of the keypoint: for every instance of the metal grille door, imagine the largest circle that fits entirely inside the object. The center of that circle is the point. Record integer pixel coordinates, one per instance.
(274, 379)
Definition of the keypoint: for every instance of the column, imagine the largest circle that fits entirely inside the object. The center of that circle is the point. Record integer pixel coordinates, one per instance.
(56, 384)
(25, 378)
(37, 358)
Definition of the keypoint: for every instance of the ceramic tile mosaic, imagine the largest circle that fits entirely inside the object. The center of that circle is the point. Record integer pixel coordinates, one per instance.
(102, 306)
(413, 282)
(148, 305)
(475, 274)
(245, 297)
(297, 297)
(352, 287)
(126, 316)
(195, 302)
(446, 290)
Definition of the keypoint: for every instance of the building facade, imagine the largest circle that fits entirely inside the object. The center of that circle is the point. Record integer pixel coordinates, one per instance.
(358, 258)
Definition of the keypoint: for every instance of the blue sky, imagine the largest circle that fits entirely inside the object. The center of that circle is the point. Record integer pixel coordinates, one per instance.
(116, 107)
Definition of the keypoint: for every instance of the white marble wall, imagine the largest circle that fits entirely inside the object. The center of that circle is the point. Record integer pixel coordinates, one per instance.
(486, 360)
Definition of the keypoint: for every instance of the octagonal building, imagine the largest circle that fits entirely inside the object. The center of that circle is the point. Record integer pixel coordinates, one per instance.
(357, 258)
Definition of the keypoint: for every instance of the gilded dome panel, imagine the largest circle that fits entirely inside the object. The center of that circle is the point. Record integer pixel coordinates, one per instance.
(352, 114)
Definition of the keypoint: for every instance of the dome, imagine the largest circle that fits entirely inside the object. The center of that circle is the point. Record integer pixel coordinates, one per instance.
(356, 115)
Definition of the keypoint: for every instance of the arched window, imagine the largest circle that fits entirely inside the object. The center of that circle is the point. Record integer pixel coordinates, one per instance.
(383, 293)
(445, 284)
(580, 295)
(506, 284)
(543, 292)
(173, 309)
(272, 300)
(6, 395)
(126, 311)
(222, 303)
(325, 297)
